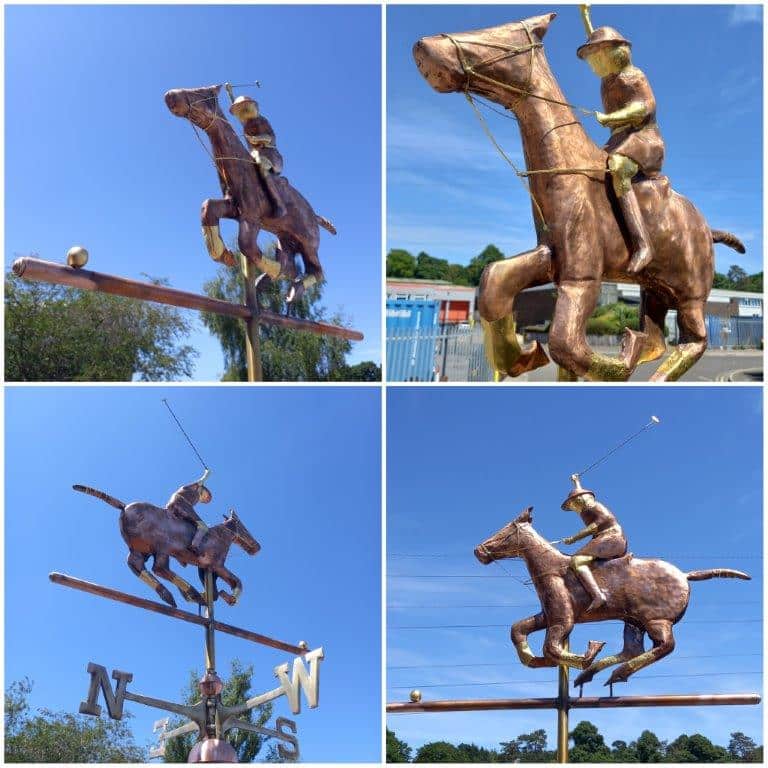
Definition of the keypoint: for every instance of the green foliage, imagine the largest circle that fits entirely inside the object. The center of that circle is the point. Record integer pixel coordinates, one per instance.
(365, 371)
(400, 263)
(286, 354)
(737, 279)
(397, 751)
(60, 737)
(588, 747)
(612, 319)
(54, 333)
(236, 691)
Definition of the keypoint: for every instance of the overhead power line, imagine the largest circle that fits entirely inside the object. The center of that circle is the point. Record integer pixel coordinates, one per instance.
(506, 626)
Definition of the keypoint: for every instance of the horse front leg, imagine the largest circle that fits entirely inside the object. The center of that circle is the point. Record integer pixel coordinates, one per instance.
(237, 586)
(633, 647)
(576, 300)
(519, 634)
(555, 647)
(500, 283)
(211, 213)
(247, 240)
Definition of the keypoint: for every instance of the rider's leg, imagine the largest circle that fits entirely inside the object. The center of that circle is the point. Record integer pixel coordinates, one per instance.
(580, 566)
(212, 211)
(202, 529)
(622, 171)
(278, 209)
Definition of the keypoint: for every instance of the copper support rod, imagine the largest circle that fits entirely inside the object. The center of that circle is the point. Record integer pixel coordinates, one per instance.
(39, 270)
(210, 632)
(586, 702)
(563, 701)
(166, 610)
(252, 341)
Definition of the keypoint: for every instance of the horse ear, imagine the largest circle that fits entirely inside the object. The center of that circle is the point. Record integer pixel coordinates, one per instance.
(540, 24)
(525, 516)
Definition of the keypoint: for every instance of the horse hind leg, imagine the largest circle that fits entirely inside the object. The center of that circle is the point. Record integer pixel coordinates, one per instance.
(500, 283)
(660, 632)
(633, 646)
(136, 563)
(576, 300)
(693, 342)
(161, 567)
(313, 272)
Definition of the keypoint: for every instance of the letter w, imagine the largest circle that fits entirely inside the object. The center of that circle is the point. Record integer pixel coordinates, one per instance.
(309, 681)
(114, 700)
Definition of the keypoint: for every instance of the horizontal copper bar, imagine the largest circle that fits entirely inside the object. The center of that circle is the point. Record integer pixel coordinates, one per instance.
(166, 610)
(49, 272)
(586, 702)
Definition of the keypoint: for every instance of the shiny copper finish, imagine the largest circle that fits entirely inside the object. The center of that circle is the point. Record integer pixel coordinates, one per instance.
(192, 618)
(48, 272)
(648, 595)
(580, 220)
(584, 702)
(212, 751)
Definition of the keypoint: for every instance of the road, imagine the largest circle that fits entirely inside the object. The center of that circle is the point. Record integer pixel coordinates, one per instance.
(716, 365)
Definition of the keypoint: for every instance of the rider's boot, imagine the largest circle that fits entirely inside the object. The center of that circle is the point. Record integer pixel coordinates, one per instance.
(202, 529)
(587, 578)
(642, 254)
(278, 209)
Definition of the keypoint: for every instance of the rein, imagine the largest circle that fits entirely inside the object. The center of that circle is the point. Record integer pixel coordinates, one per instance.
(533, 576)
(471, 71)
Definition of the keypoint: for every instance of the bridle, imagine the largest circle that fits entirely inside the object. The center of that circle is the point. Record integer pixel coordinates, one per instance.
(471, 71)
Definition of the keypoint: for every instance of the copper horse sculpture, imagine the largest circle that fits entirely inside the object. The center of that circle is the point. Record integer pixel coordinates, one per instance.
(649, 596)
(580, 242)
(245, 199)
(149, 531)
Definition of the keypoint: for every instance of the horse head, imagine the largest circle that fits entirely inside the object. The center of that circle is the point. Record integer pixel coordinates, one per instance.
(240, 534)
(472, 60)
(507, 541)
(199, 105)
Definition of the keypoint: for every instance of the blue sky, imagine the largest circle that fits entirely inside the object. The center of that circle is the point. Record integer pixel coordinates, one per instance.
(462, 463)
(94, 157)
(309, 494)
(449, 192)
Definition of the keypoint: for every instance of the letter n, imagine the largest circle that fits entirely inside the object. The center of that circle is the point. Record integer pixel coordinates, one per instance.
(99, 680)
(309, 681)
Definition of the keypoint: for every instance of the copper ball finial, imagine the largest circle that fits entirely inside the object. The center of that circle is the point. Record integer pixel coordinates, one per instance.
(77, 257)
(303, 645)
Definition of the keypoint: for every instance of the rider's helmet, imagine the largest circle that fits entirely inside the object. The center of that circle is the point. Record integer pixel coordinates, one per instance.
(205, 495)
(602, 37)
(574, 494)
(244, 108)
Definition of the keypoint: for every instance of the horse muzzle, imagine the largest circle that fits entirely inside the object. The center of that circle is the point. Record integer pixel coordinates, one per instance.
(177, 103)
(436, 59)
(483, 555)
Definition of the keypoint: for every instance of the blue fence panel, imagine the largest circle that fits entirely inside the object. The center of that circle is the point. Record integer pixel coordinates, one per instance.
(729, 332)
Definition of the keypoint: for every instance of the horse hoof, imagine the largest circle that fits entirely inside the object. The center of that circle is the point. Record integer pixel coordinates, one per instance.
(167, 597)
(193, 596)
(227, 598)
(295, 292)
(614, 678)
(262, 282)
(582, 679)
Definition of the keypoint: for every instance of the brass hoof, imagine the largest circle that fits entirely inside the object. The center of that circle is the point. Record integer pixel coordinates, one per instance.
(530, 359)
(593, 648)
(632, 347)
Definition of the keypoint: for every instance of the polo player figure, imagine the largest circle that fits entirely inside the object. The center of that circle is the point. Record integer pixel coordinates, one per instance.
(608, 541)
(636, 146)
(260, 136)
(182, 503)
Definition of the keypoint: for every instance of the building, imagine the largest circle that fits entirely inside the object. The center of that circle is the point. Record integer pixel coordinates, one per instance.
(456, 302)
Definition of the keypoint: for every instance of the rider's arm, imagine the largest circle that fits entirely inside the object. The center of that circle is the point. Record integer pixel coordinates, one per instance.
(630, 115)
(590, 530)
(260, 140)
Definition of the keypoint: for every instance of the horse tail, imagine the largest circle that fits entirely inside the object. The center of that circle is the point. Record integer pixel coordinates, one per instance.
(717, 573)
(327, 225)
(111, 500)
(726, 238)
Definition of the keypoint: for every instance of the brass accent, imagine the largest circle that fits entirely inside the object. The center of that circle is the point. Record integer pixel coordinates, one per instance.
(213, 242)
(415, 695)
(586, 19)
(77, 257)
(563, 698)
(623, 170)
(502, 349)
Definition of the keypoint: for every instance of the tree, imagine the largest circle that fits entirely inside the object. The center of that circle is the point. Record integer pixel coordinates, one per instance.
(397, 751)
(588, 745)
(623, 753)
(61, 737)
(527, 748)
(648, 748)
(430, 268)
(54, 333)
(365, 371)
(471, 753)
(742, 749)
(736, 276)
(400, 263)
(236, 691)
(475, 267)
(438, 752)
(286, 354)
